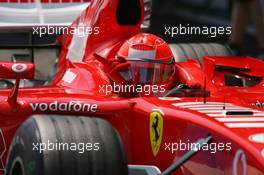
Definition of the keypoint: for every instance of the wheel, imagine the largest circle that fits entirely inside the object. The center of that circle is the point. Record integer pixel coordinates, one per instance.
(197, 51)
(65, 145)
(179, 54)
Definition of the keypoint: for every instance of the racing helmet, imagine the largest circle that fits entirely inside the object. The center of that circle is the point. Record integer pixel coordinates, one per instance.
(150, 57)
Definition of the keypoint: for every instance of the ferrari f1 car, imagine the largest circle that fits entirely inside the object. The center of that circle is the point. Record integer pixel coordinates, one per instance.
(69, 125)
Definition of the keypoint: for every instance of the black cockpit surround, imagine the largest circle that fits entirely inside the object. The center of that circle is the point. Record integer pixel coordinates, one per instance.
(128, 12)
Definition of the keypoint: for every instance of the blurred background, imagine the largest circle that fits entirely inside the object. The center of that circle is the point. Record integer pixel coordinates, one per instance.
(208, 13)
(164, 13)
(18, 16)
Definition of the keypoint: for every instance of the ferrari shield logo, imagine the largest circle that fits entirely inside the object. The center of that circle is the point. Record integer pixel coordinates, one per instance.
(155, 131)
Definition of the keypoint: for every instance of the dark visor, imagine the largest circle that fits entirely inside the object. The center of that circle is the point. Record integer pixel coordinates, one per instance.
(151, 60)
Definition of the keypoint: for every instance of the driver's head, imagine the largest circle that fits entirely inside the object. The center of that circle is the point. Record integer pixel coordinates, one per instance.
(151, 59)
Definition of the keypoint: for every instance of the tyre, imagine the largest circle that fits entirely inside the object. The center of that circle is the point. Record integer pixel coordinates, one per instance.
(197, 51)
(69, 146)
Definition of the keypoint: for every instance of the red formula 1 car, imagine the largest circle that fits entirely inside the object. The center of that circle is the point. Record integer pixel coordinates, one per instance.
(71, 126)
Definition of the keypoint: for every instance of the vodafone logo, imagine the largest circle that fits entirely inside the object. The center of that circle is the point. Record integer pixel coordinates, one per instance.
(18, 68)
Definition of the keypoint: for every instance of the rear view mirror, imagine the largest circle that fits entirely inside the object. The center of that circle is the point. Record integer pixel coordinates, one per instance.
(21, 70)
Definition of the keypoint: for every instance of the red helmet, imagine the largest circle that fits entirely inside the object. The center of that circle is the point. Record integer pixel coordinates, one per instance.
(151, 59)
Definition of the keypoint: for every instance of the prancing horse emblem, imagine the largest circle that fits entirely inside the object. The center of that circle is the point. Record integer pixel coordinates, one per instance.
(155, 131)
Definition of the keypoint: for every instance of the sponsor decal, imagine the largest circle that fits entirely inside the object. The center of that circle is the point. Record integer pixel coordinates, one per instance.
(240, 163)
(156, 130)
(18, 68)
(259, 104)
(258, 138)
(72, 106)
(148, 54)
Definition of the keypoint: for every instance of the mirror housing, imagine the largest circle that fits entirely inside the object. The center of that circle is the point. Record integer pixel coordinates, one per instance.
(19, 70)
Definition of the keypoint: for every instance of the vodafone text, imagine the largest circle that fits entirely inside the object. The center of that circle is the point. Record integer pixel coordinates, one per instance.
(71, 106)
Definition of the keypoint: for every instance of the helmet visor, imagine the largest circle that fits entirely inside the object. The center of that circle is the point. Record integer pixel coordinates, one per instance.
(144, 72)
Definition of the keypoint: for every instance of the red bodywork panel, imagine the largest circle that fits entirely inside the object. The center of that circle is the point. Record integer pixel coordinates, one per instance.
(17, 71)
(185, 119)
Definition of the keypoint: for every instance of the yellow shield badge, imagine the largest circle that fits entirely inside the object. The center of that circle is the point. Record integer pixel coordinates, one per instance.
(155, 131)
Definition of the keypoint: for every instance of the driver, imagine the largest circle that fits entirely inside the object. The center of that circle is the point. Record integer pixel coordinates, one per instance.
(144, 59)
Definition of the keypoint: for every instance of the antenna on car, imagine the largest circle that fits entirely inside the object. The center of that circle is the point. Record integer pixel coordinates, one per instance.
(224, 107)
(204, 91)
(195, 149)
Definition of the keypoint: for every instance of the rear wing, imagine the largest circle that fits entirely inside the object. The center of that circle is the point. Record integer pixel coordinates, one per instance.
(25, 14)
